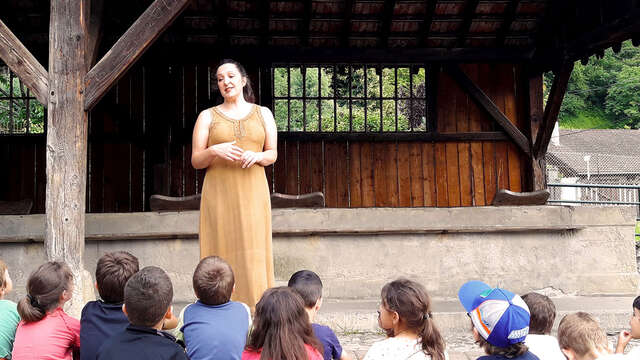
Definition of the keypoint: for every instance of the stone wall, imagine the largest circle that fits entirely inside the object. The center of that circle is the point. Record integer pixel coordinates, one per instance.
(557, 249)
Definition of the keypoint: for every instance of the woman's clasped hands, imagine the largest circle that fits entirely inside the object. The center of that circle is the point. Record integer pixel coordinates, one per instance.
(231, 152)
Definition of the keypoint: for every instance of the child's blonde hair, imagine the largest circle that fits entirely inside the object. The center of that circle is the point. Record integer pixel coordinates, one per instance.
(3, 271)
(581, 333)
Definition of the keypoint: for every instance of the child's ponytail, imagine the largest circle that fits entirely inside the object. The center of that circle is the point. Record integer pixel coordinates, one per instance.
(430, 338)
(44, 289)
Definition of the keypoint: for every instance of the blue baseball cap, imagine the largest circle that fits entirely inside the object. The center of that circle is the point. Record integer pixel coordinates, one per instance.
(500, 316)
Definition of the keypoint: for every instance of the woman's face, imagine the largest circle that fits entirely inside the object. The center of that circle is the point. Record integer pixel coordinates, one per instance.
(230, 81)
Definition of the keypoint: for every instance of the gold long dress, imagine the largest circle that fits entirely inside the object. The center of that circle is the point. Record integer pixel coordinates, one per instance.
(235, 210)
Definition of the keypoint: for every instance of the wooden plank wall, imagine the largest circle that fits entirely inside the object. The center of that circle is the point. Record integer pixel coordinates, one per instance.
(140, 144)
(409, 174)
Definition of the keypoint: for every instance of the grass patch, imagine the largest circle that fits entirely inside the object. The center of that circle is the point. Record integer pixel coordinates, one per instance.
(638, 231)
(590, 119)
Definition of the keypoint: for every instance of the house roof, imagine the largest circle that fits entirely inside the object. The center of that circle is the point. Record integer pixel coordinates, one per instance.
(614, 151)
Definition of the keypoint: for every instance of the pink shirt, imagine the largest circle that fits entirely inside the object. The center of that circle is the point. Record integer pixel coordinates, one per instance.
(52, 338)
(312, 353)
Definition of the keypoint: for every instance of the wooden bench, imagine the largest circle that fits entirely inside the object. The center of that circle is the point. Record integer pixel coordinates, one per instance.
(508, 198)
(192, 202)
(20, 207)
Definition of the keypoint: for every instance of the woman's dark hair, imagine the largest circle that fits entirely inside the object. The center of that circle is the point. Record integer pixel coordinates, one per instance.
(247, 90)
(412, 303)
(281, 327)
(44, 288)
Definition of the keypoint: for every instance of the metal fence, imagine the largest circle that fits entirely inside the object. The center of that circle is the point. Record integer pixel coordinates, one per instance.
(594, 180)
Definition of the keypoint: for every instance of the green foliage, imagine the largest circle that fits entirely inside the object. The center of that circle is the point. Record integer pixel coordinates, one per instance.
(15, 110)
(606, 88)
(327, 105)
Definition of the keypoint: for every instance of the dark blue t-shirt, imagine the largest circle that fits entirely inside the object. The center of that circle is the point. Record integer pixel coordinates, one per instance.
(141, 343)
(215, 331)
(526, 356)
(332, 348)
(98, 322)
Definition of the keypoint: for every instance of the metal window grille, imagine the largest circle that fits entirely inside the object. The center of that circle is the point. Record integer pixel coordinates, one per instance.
(350, 98)
(20, 111)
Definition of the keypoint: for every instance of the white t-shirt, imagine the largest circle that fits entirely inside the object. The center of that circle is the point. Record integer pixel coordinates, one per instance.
(398, 349)
(544, 346)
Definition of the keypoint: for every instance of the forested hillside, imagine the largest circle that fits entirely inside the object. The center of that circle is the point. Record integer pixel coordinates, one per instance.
(605, 93)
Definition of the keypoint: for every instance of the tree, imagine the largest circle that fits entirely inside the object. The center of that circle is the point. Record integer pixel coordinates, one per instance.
(623, 97)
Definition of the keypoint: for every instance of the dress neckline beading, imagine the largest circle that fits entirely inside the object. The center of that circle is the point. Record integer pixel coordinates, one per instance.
(224, 116)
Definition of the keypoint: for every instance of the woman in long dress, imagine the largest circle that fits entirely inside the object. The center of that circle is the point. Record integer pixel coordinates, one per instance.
(234, 141)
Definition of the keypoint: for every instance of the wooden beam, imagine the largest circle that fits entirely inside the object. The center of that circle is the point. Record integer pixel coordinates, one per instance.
(554, 101)
(93, 18)
(66, 150)
(400, 136)
(346, 23)
(469, 13)
(24, 64)
(485, 103)
(130, 47)
(430, 9)
(509, 16)
(536, 174)
(387, 17)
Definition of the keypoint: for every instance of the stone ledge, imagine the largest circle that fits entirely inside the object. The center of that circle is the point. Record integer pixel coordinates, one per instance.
(184, 225)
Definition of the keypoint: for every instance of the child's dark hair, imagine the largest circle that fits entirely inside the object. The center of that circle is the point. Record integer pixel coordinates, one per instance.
(543, 313)
(281, 326)
(412, 303)
(44, 289)
(308, 285)
(3, 270)
(636, 303)
(147, 296)
(247, 90)
(213, 281)
(112, 272)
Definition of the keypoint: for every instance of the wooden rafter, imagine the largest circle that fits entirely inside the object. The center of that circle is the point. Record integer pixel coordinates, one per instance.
(469, 13)
(387, 17)
(485, 103)
(130, 47)
(306, 23)
(509, 16)
(24, 64)
(346, 23)
(430, 6)
(558, 90)
(265, 14)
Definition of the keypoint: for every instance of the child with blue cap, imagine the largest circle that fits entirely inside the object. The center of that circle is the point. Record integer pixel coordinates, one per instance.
(500, 321)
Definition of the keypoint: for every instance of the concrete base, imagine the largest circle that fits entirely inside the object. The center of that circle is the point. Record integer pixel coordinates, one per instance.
(555, 249)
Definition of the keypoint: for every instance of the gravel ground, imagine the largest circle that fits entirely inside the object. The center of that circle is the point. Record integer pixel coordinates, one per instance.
(460, 347)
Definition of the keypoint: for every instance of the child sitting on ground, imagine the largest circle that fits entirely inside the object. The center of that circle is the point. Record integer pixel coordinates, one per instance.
(543, 313)
(101, 319)
(309, 286)
(9, 317)
(282, 329)
(405, 315)
(581, 338)
(45, 330)
(213, 326)
(500, 321)
(147, 303)
(634, 333)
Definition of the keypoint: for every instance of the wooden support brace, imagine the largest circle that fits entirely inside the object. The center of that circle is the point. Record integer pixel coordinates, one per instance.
(558, 90)
(24, 64)
(130, 47)
(485, 103)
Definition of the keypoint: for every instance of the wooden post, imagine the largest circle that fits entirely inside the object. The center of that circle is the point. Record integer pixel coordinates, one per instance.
(67, 143)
